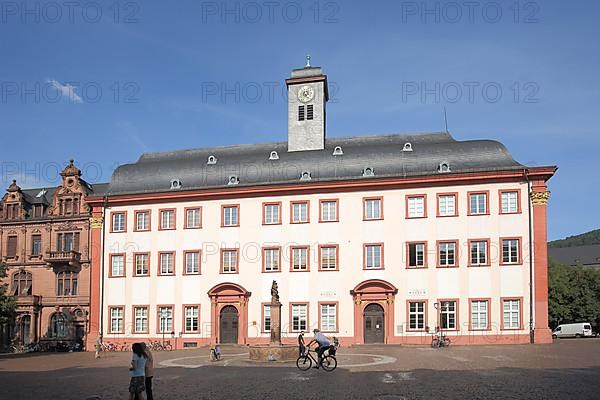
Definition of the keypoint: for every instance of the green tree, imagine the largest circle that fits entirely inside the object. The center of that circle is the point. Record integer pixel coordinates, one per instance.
(573, 294)
(7, 303)
(559, 293)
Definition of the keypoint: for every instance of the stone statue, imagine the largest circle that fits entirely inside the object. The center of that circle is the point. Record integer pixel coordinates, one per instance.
(274, 293)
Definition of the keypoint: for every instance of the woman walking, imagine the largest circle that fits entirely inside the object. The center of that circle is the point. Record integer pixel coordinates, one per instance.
(137, 385)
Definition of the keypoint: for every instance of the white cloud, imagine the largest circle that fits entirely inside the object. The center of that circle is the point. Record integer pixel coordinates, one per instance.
(66, 90)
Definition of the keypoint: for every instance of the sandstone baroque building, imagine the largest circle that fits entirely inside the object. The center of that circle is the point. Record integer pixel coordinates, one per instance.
(373, 239)
(44, 240)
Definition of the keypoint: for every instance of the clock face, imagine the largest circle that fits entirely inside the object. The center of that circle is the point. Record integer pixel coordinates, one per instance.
(306, 94)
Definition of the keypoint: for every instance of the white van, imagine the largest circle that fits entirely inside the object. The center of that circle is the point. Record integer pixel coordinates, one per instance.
(580, 329)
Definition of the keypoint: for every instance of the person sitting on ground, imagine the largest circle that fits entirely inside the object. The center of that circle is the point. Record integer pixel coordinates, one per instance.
(323, 344)
(137, 385)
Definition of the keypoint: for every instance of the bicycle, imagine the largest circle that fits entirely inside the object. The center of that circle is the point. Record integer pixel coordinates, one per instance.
(16, 349)
(328, 362)
(440, 340)
(214, 356)
(107, 346)
(155, 346)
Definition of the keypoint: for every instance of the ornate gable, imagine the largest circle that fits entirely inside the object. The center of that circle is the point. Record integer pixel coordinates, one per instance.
(13, 203)
(69, 198)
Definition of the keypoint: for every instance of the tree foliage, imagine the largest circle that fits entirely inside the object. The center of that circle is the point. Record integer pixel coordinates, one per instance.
(573, 294)
(584, 239)
(7, 303)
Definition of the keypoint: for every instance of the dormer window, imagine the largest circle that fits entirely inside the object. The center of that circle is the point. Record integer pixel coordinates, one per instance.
(38, 210)
(233, 180)
(175, 184)
(368, 171)
(338, 151)
(407, 147)
(444, 167)
(211, 160)
(274, 156)
(305, 176)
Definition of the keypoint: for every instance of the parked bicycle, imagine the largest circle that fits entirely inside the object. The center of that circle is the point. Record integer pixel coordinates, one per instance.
(158, 346)
(108, 346)
(28, 348)
(328, 362)
(439, 340)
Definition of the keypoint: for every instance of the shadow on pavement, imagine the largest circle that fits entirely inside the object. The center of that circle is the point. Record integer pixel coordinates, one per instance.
(290, 383)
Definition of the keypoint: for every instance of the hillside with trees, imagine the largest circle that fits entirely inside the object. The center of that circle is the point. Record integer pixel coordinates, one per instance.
(592, 237)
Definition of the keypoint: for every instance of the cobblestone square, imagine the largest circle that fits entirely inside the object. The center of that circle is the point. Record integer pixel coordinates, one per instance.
(567, 369)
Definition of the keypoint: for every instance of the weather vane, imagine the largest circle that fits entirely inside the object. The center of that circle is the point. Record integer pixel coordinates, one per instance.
(307, 61)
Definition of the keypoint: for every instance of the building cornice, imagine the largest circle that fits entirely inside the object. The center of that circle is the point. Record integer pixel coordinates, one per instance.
(512, 175)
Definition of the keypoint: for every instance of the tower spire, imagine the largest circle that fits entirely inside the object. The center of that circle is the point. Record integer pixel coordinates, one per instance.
(307, 61)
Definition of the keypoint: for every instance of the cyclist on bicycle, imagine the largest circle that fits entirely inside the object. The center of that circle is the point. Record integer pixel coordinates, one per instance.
(323, 343)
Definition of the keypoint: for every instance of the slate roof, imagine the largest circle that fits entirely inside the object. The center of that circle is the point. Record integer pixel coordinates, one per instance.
(31, 195)
(154, 172)
(579, 255)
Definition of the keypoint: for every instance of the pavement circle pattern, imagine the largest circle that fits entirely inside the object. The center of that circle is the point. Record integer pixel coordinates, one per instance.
(361, 361)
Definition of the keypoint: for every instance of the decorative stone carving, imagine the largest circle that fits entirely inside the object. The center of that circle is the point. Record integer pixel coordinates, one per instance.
(67, 226)
(274, 293)
(96, 222)
(275, 316)
(71, 170)
(540, 198)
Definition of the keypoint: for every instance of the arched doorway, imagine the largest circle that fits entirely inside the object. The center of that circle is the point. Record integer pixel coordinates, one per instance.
(229, 311)
(374, 311)
(374, 323)
(229, 324)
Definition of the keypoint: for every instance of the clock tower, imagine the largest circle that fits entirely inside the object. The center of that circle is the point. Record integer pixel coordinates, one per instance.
(307, 95)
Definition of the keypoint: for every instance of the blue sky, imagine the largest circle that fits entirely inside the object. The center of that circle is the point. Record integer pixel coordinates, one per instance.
(154, 63)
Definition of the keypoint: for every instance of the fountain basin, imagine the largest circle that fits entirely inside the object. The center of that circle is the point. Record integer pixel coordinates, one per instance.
(273, 352)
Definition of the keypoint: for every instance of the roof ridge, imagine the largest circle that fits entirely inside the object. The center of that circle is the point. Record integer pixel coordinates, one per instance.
(155, 154)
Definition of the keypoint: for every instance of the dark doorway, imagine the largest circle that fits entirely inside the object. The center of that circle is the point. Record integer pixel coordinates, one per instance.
(374, 324)
(25, 331)
(228, 326)
(79, 336)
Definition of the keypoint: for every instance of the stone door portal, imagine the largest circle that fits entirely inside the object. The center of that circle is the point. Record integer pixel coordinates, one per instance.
(374, 324)
(25, 332)
(228, 326)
